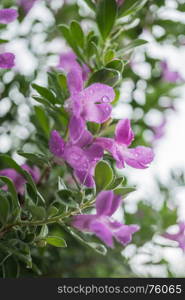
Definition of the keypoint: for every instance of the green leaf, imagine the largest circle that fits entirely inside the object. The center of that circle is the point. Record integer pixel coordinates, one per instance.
(124, 191)
(56, 241)
(66, 33)
(116, 64)
(130, 6)
(131, 46)
(77, 33)
(12, 190)
(99, 248)
(42, 119)
(66, 197)
(3, 41)
(109, 56)
(4, 210)
(117, 182)
(90, 4)
(38, 212)
(45, 93)
(106, 13)
(93, 127)
(62, 80)
(52, 211)
(107, 76)
(103, 175)
(35, 158)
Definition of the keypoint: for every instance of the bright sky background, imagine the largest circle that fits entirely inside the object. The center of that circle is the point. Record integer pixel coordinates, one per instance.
(169, 151)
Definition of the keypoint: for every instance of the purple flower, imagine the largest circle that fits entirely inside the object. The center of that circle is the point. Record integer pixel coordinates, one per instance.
(82, 156)
(27, 4)
(168, 75)
(89, 104)
(8, 15)
(7, 60)
(138, 157)
(68, 61)
(101, 223)
(178, 237)
(18, 179)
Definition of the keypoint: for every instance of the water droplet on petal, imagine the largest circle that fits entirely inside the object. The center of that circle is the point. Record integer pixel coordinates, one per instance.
(107, 109)
(105, 99)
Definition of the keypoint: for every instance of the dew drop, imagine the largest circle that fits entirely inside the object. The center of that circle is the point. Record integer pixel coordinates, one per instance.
(105, 99)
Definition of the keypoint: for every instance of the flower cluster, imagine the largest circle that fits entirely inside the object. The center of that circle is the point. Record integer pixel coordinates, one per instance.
(93, 103)
(82, 151)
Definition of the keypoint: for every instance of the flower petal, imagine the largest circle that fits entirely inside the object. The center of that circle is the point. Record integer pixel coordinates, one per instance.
(17, 179)
(76, 158)
(104, 203)
(94, 152)
(98, 113)
(124, 133)
(98, 93)
(67, 61)
(7, 60)
(34, 172)
(56, 144)
(8, 15)
(115, 204)
(76, 128)
(124, 234)
(85, 178)
(110, 145)
(139, 157)
(85, 139)
(102, 231)
(75, 81)
(82, 222)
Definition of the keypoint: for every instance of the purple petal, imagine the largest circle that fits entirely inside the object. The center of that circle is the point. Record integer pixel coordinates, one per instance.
(110, 145)
(76, 128)
(27, 4)
(67, 61)
(124, 234)
(85, 139)
(95, 100)
(82, 222)
(85, 72)
(56, 144)
(168, 75)
(98, 92)
(115, 204)
(17, 179)
(34, 172)
(98, 113)
(107, 144)
(8, 15)
(94, 152)
(7, 60)
(76, 158)
(124, 133)
(102, 232)
(139, 158)
(104, 203)
(75, 81)
(179, 237)
(85, 178)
